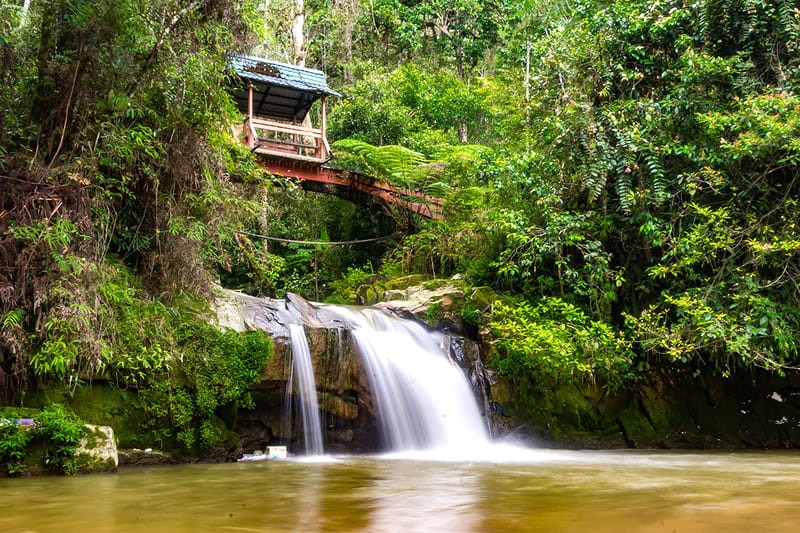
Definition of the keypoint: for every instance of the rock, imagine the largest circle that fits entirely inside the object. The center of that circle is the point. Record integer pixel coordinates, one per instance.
(306, 312)
(405, 281)
(434, 302)
(367, 295)
(482, 298)
(236, 310)
(639, 433)
(395, 294)
(136, 456)
(97, 450)
(337, 406)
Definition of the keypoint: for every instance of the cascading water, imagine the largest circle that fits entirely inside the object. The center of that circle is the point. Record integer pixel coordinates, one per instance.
(424, 400)
(303, 374)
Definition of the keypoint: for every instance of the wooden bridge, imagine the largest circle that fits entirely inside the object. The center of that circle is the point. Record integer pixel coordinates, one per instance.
(275, 99)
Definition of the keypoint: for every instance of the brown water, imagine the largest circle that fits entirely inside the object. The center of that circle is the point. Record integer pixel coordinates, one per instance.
(549, 491)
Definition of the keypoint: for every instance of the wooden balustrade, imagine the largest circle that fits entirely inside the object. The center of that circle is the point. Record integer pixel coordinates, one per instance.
(282, 139)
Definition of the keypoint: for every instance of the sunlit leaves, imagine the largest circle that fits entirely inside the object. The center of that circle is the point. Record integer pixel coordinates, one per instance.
(554, 341)
(763, 128)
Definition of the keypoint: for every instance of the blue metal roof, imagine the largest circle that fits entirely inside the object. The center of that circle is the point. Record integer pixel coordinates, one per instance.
(281, 75)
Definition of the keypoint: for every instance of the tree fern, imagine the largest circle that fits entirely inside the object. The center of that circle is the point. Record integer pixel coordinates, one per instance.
(392, 163)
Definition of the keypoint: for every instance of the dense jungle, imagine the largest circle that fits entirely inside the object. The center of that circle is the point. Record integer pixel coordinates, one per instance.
(620, 178)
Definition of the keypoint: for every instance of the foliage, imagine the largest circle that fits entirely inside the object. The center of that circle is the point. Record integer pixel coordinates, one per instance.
(619, 166)
(14, 442)
(554, 342)
(393, 164)
(117, 144)
(216, 369)
(62, 431)
(345, 289)
(55, 434)
(423, 109)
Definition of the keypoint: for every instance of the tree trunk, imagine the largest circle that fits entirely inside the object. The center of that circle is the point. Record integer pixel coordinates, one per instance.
(23, 17)
(348, 9)
(298, 39)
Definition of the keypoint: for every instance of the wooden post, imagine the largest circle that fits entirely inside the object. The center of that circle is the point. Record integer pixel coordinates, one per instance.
(249, 138)
(250, 101)
(323, 127)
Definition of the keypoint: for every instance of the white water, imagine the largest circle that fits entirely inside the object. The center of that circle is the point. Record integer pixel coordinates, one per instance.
(424, 400)
(306, 390)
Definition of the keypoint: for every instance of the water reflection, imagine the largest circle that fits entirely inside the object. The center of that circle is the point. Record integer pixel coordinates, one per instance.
(416, 496)
(552, 491)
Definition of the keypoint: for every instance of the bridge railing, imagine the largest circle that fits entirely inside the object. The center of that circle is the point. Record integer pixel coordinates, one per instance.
(282, 139)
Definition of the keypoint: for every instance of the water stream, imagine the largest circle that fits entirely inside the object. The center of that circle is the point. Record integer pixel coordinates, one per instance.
(303, 378)
(424, 400)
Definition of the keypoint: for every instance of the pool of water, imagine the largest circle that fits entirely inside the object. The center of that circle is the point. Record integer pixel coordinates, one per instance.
(535, 491)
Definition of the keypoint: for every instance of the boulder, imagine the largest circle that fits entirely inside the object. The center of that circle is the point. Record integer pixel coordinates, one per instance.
(97, 450)
(436, 302)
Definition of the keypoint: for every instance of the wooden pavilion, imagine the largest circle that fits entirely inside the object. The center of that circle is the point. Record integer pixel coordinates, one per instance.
(275, 99)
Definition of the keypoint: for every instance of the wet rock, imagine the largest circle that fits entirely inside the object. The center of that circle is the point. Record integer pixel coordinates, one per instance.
(303, 310)
(148, 456)
(337, 406)
(437, 303)
(219, 454)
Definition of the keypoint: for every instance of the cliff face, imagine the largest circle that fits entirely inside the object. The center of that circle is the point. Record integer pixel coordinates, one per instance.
(347, 411)
(346, 402)
(664, 411)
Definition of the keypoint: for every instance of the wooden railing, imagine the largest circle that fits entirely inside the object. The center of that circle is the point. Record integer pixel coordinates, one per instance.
(282, 139)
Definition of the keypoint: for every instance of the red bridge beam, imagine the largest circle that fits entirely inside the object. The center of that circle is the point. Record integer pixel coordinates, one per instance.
(415, 201)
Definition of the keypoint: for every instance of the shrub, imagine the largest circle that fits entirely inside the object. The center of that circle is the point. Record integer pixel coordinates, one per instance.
(555, 342)
(56, 432)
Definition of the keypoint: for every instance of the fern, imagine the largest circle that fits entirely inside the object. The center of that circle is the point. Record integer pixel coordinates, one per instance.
(437, 188)
(393, 163)
(624, 192)
(657, 175)
(13, 318)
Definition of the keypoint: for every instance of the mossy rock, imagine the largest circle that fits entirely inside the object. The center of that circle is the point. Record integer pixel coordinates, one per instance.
(482, 298)
(404, 282)
(394, 294)
(338, 407)
(639, 432)
(367, 295)
(223, 437)
(573, 411)
(121, 409)
(97, 451)
(662, 414)
(435, 284)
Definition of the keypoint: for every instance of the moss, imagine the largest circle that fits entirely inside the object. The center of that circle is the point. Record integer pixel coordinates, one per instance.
(367, 295)
(638, 430)
(104, 404)
(434, 284)
(404, 282)
(482, 298)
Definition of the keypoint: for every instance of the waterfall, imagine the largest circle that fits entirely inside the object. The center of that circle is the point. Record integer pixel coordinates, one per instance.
(424, 400)
(303, 374)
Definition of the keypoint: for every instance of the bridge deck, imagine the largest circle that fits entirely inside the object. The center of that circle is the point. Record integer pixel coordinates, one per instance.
(340, 182)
